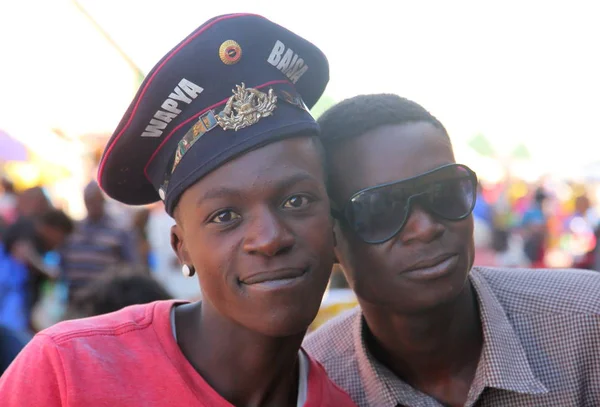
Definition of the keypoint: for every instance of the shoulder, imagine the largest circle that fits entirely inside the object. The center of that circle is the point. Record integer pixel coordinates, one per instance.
(135, 318)
(542, 291)
(325, 392)
(335, 338)
(68, 360)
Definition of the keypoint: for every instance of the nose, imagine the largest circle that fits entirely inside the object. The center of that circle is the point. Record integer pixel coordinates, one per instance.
(420, 226)
(267, 235)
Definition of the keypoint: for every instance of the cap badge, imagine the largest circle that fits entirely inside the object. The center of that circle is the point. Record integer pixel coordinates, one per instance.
(246, 107)
(230, 52)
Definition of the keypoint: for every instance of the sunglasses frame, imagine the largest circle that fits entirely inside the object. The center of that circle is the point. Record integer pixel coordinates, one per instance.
(342, 215)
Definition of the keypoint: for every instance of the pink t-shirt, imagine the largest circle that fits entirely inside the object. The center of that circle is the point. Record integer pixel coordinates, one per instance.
(127, 358)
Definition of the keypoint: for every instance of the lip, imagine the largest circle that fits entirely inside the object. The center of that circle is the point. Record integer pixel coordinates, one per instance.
(275, 277)
(432, 268)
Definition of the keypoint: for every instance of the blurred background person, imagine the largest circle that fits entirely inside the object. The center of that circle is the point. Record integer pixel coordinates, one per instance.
(22, 265)
(483, 229)
(97, 243)
(117, 288)
(581, 228)
(535, 230)
(11, 343)
(8, 204)
(32, 202)
(139, 228)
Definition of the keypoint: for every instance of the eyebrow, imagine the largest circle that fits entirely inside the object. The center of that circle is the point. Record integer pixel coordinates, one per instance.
(223, 192)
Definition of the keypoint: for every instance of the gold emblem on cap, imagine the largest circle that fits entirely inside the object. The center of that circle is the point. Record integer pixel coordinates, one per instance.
(246, 107)
(230, 52)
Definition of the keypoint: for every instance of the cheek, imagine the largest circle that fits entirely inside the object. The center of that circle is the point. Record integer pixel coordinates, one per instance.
(318, 233)
(214, 260)
(469, 239)
(315, 232)
(464, 233)
(359, 260)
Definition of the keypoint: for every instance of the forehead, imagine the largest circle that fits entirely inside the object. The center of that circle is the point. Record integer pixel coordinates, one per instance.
(255, 171)
(387, 154)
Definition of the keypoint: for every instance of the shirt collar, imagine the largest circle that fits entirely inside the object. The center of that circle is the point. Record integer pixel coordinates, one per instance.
(382, 387)
(503, 363)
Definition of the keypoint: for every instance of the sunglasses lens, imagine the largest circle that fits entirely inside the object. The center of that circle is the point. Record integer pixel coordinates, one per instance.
(378, 214)
(454, 196)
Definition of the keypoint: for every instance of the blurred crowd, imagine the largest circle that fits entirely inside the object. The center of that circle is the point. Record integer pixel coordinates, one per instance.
(546, 225)
(53, 267)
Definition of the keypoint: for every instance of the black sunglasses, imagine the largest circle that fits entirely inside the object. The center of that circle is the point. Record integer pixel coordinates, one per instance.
(376, 214)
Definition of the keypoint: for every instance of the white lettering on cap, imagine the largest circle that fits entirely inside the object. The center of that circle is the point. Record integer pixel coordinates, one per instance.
(287, 62)
(185, 92)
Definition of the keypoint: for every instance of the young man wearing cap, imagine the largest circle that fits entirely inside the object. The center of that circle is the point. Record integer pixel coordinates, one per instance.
(243, 177)
(432, 330)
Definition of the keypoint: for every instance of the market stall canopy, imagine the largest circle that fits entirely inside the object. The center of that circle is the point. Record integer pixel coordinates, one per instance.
(11, 149)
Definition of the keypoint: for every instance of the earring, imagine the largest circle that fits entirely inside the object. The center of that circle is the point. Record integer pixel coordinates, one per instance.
(188, 271)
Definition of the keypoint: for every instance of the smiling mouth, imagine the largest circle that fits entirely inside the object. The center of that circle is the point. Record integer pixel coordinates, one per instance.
(282, 276)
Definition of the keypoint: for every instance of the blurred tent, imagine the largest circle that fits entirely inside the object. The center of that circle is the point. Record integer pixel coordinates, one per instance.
(54, 161)
(482, 146)
(493, 165)
(32, 173)
(42, 166)
(11, 149)
(521, 152)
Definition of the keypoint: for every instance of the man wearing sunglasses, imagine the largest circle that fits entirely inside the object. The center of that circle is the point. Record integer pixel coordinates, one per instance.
(432, 330)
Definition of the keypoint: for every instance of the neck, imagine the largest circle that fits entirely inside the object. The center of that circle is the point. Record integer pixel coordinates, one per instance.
(243, 366)
(429, 346)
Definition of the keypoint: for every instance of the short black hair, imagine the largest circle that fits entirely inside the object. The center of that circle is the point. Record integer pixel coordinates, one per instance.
(117, 287)
(56, 218)
(361, 114)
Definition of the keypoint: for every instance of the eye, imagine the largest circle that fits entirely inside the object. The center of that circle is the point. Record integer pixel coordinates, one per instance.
(296, 201)
(224, 216)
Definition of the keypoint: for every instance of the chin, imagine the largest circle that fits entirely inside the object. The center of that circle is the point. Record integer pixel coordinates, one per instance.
(287, 320)
(433, 301)
(406, 298)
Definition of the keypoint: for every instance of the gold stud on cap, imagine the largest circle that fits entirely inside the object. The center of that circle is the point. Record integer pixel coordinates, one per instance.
(230, 52)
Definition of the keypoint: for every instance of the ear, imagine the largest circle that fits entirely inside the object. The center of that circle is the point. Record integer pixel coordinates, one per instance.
(336, 242)
(335, 257)
(178, 245)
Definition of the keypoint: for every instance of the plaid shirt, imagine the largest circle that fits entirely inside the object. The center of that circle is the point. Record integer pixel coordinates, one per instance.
(541, 345)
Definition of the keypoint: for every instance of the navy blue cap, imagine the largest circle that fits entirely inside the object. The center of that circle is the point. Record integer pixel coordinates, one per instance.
(236, 83)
